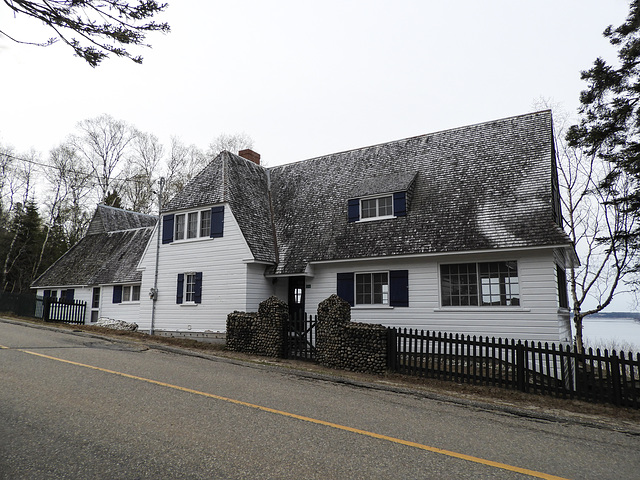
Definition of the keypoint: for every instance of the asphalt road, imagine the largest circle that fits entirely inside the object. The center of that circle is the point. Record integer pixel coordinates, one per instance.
(79, 407)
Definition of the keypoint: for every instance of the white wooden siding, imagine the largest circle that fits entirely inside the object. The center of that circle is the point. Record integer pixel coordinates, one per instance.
(125, 311)
(224, 280)
(537, 317)
(259, 288)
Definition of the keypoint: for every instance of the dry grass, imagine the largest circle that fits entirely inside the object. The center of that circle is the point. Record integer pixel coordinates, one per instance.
(493, 396)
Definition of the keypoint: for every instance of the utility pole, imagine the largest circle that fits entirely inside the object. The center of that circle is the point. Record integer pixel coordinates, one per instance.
(154, 291)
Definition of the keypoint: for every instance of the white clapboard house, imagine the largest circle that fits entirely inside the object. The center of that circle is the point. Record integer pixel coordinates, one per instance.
(457, 231)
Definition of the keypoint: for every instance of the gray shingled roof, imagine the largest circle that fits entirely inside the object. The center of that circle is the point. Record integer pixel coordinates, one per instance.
(98, 259)
(244, 186)
(111, 219)
(480, 187)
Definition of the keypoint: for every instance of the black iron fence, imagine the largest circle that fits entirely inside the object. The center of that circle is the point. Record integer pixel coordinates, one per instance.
(301, 337)
(62, 310)
(526, 366)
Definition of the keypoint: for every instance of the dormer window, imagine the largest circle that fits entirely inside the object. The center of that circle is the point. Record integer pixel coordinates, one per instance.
(376, 207)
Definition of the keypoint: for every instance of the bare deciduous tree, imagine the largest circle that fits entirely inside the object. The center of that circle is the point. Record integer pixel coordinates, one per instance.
(230, 142)
(142, 172)
(103, 143)
(183, 164)
(595, 223)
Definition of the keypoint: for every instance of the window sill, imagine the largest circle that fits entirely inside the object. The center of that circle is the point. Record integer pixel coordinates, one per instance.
(372, 307)
(131, 302)
(191, 240)
(373, 219)
(505, 308)
(188, 304)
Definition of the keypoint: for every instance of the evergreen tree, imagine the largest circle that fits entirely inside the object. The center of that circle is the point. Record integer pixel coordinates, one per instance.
(112, 199)
(610, 125)
(93, 29)
(24, 249)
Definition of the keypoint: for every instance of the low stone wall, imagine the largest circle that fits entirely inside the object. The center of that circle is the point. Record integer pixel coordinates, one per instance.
(261, 333)
(240, 331)
(358, 347)
(364, 348)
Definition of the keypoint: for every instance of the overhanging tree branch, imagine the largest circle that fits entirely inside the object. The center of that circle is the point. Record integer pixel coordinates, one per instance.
(103, 26)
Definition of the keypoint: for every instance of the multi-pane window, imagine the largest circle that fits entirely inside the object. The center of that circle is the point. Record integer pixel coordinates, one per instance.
(131, 293)
(377, 207)
(179, 232)
(205, 223)
(372, 288)
(190, 287)
(95, 299)
(192, 225)
(473, 284)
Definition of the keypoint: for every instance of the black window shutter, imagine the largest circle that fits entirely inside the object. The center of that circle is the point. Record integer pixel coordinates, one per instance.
(399, 288)
(345, 287)
(217, 221)
(400, 204)
(167, 228)
(117, 294)
(197, 294)
(354, 209)
(180, 290)
(46, 293)
(70, 294)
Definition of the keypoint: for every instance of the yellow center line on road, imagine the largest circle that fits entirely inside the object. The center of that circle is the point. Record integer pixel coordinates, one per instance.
(449, 453)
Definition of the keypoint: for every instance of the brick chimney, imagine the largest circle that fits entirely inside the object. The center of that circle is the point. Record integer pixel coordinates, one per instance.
(250, 155)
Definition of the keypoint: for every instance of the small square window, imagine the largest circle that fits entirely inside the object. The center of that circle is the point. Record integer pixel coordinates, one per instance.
(372, 288)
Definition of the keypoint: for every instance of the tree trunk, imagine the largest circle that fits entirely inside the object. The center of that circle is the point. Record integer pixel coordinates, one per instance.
(577, 322)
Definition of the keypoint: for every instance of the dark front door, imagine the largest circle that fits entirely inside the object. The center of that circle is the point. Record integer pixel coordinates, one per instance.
(296, 297)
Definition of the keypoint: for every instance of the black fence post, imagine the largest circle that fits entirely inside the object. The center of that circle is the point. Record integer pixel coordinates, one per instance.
(46, 309)
(615, 377)
(392, 349)
(521, 367)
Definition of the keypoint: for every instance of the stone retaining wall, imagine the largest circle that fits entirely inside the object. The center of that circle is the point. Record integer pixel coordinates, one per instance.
(260, 333)
(358, 347)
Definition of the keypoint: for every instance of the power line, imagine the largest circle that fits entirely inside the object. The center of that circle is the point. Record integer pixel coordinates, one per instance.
(79, 172)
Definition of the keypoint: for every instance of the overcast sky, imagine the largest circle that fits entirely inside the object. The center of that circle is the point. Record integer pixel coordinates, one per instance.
(305, 79)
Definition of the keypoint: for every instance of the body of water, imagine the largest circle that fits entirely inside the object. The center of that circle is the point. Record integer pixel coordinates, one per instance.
(619, 333)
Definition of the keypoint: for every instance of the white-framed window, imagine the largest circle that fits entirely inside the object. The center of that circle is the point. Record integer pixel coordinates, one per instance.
(480, 284)
(179, 229)
(372, 288)
(190, 287)
(130, 293)
(192, 225)
(376, 207)
(205, 223)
